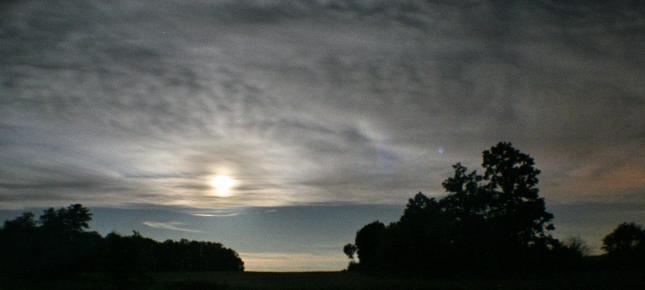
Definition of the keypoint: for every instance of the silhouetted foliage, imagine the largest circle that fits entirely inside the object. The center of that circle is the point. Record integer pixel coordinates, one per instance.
(74, 218)
(627, 238)
(492, 221)
(369, 241)
(626, 245)
(58, 243)
(25, 222)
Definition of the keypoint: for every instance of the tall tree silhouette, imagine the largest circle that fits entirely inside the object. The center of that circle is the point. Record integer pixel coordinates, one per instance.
(511, 181)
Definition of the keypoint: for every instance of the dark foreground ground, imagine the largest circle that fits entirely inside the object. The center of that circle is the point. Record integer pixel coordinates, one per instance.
(613, 280)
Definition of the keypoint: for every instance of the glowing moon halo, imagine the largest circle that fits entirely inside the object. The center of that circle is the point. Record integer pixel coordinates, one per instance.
(222, 185)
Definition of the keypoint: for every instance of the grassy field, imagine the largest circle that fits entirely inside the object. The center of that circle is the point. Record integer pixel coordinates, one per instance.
(330, 280)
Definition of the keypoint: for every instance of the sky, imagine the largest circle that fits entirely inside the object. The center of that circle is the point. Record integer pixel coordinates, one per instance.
(326, 114)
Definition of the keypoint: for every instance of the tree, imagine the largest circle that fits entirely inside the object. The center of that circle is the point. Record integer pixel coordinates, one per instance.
(420, 209)
(626, 239)
(22, 223)
(501, 209)
(422, 240)
(17, 237)
(74, 218)
(368, 242)
(510, 179)
(486, 221)
(59, 244)
(466, 198)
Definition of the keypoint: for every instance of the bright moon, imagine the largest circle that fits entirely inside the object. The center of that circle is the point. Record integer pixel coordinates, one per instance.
(222, 184)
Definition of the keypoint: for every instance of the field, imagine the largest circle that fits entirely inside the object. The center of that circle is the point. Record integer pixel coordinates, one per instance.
(330, 280)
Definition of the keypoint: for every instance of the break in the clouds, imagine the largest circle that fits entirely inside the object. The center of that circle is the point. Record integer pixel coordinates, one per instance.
(142, 102)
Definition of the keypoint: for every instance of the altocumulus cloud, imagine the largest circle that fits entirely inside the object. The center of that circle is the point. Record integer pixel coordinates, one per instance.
(140, 102)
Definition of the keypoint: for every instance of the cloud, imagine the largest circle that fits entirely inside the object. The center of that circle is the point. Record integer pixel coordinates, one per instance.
(170, 226)
(310, 102)
(216, 213)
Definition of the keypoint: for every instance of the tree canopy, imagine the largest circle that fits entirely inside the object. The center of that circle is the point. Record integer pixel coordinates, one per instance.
(58, 242)
(495, 220)
(74, 218)
(626, 244)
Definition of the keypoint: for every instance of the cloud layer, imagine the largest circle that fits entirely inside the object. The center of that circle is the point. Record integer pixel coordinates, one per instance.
(314, 101)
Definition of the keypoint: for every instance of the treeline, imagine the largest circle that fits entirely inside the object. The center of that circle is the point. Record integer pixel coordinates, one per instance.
(58, 242)
(494, 222)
